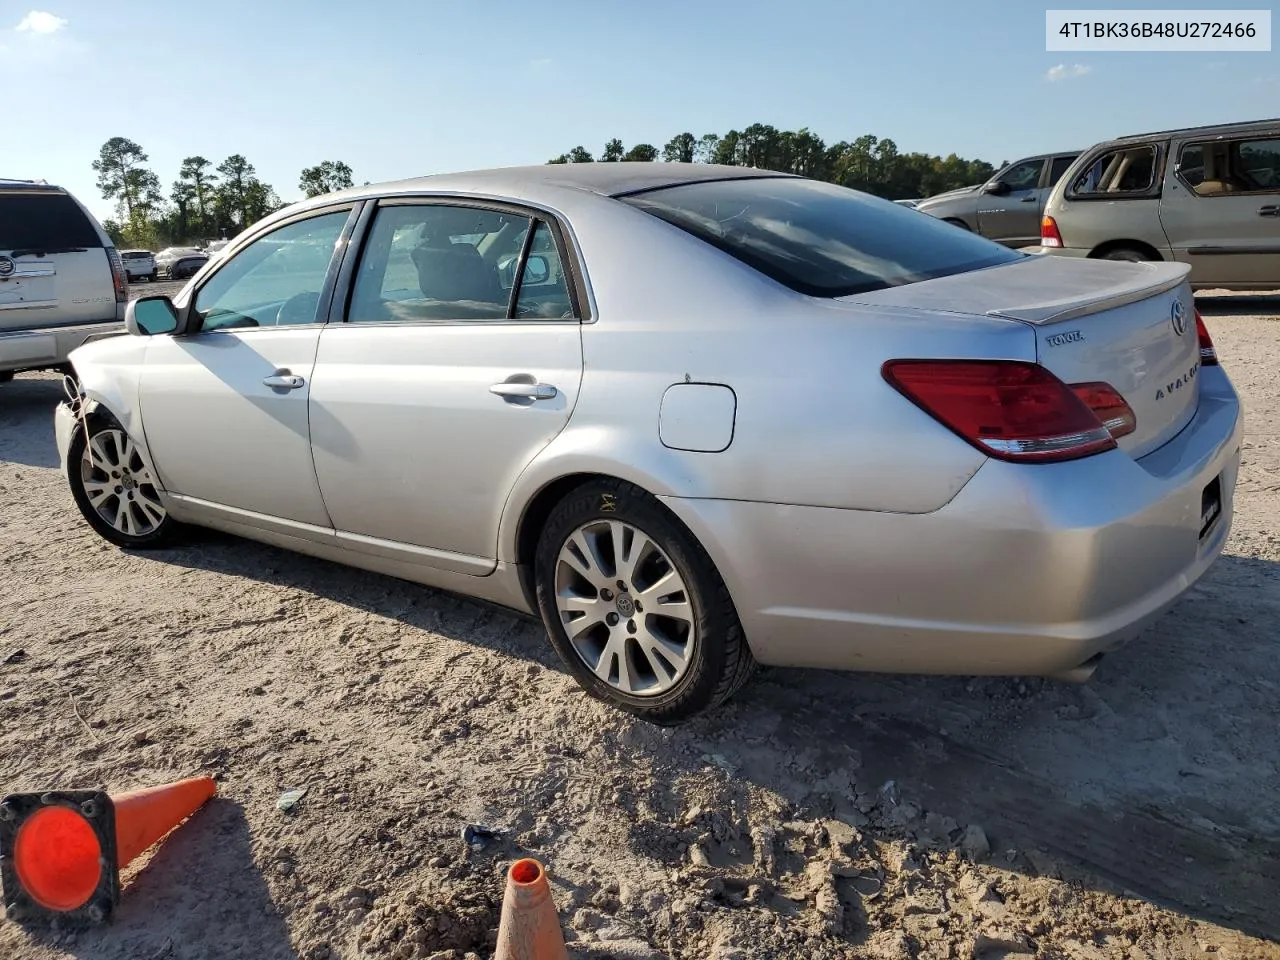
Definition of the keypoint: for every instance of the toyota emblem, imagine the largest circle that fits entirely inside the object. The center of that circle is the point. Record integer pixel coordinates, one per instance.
(7, 266)
(1178, 315)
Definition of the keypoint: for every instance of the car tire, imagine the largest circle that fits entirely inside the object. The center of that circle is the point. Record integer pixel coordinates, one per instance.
(697, 654)
(6, 376)
(1125, 253)
(153, 276)
(140, 520)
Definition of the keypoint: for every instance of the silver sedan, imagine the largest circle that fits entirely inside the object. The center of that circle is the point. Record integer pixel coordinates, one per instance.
(696, 417)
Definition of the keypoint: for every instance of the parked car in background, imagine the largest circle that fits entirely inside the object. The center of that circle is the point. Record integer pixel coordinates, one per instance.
(1205, 196)
(179, 263)
(908, 203)
(1008, 207)
(924, 452)
(139, 264)
(62, 283)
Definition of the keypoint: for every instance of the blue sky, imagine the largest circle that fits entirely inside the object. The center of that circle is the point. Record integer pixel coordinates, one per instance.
(406, 87)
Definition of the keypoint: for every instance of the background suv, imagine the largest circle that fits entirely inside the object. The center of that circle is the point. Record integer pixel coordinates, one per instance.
(1207, 196)
(62, 283)
(1008, 207)
(139, 264)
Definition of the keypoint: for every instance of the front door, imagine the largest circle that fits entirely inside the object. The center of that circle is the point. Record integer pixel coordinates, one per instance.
(1221, 210)
(224, 406)
(1014, 218)
(460, 359)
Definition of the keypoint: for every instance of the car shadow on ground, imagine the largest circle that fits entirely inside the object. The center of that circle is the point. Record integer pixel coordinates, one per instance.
(27, 402)
(162, 914)
(1149, 821)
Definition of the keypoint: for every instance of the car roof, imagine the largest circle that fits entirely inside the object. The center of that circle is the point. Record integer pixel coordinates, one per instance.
(35, 186)
(545, 180)
(1219, 129)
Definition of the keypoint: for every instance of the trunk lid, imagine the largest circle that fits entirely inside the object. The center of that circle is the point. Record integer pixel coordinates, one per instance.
(1130, 325)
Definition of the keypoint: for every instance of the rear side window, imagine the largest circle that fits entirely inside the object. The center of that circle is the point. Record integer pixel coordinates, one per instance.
(1060, 165)
(36, 220)
(818, 238)
(1218, 168)
(1116, 173)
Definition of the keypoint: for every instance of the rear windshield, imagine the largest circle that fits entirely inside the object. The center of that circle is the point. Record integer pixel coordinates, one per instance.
(33, 220)
(135, 254)
(818, 238)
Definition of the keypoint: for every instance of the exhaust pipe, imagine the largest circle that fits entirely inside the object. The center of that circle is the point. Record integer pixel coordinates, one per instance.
(1081, 673)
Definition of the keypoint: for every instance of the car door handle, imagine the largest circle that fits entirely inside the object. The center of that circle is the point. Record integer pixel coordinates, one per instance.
(526, 391)
(1027, 200)
(285, 381)
(1271, 210)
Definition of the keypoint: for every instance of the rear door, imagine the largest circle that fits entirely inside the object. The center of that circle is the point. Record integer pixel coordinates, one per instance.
(1014, 218)
(54, 269)
(459, 361)
(1221, 212)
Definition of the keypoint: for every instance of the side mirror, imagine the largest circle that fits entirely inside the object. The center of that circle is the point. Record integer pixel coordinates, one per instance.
(996, 188)
(150, 316)
(536, 270)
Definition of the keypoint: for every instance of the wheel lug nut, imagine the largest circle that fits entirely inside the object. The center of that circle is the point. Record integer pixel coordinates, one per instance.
(622, 586)
(631, 626)
(612, 619)
(639, 609)
(606, 594)
(119, 489)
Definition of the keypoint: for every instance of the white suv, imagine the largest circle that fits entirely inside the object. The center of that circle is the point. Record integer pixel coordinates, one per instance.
(62, 283)
(139, 264)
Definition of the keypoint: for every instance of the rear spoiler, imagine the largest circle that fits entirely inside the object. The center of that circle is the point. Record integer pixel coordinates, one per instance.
(1164, 277)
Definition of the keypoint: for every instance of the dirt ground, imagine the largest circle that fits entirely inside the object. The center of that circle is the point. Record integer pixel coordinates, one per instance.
(819, 815)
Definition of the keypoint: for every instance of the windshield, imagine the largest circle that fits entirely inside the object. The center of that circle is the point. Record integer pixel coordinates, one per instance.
(820, 239)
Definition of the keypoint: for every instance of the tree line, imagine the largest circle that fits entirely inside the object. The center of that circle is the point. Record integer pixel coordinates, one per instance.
(869, 163)
(205, 202)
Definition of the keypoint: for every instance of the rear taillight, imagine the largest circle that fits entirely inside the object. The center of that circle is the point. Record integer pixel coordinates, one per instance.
(1009, 409)
(1108, 406)
(117, 275)
(1049, 235)
(1208, 355)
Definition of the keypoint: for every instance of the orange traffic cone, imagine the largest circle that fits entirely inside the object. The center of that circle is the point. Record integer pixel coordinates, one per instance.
(529, 928)
(61, 851)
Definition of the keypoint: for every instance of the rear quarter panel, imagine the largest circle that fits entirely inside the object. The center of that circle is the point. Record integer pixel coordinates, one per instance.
(815, 423)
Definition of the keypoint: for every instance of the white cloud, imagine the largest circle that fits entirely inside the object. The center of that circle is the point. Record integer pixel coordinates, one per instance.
(1064, 72)
(38, 21)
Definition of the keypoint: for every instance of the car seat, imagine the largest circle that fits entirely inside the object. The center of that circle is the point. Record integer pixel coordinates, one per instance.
(456, 272)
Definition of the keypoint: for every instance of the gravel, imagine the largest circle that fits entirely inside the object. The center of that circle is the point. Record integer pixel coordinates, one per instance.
(1136, 816)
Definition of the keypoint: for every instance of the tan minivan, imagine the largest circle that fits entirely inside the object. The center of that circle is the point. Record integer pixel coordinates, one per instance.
(1207, 196)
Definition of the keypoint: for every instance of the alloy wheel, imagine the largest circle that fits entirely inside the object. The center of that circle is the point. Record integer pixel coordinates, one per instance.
(119, 485)
(625, 608)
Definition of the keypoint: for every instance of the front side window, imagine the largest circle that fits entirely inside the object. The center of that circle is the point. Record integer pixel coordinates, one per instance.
(1023, 176)
(1222, 168)
(1118, 172)
(443, 262)
(818, 238)
(274, 281)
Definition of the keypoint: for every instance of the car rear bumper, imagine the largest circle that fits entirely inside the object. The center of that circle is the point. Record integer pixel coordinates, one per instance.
(1029, 570)
(46, 347)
